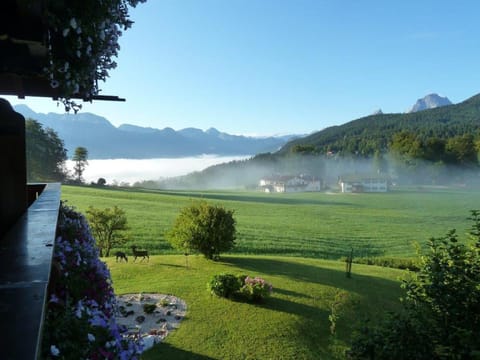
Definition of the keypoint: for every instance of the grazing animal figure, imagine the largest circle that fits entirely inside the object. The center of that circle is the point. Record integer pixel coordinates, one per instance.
(139, 253)
(121, 255)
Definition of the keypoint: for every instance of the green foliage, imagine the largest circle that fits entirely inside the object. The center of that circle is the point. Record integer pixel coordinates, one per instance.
(208, 229)
(411, 264)
(253, 289)
(432, 158)
(108, 226)
(442, 306)
(45, 152)
(224, 285)
(398, 336)
(301, 149)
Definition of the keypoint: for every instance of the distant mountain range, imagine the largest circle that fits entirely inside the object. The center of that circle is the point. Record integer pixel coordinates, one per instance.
(105, 141)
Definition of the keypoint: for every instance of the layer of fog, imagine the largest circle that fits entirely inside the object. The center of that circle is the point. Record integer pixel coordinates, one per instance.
(246, 174)
(129, 171)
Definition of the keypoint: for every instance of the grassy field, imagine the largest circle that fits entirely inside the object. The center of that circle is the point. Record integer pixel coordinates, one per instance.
(314, 225)
(286, 239)
(292, 324)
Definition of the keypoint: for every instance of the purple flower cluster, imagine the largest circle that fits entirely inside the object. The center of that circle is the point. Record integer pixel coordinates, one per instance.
(256, 288)
(82, 44)
(80, 319)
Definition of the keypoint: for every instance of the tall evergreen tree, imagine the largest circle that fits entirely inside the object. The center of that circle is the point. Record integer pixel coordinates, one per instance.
(80, 157)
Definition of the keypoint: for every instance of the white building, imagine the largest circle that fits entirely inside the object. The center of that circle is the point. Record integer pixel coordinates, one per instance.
(298, 183)
(363, 183)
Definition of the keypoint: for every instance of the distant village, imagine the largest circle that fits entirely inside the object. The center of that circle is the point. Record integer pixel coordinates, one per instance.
(356, 183)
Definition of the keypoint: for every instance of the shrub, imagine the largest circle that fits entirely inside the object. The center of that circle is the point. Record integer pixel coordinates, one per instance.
(441, 318)
(391, 262)
(224, 285)
(256, 289)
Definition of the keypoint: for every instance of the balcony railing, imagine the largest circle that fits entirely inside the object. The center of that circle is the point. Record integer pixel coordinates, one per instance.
(25, 261)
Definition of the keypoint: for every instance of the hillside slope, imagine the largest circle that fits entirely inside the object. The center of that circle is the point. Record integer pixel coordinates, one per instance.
(366, 135)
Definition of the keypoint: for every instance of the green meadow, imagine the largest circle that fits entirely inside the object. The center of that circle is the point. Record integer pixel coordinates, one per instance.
(313, 225)
(293, 241)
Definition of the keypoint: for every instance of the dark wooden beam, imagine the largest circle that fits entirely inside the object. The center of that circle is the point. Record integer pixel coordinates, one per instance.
(11, 84)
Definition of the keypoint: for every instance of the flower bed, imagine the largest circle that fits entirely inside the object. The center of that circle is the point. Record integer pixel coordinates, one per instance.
(253, 289)
(80, 317)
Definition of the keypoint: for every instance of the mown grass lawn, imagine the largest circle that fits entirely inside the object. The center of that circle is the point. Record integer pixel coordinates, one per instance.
(286, 239)
(315, 225)
(292, 324)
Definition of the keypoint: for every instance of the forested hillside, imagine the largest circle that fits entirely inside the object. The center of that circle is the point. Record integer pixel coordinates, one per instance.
(370, 134)
(436, 146)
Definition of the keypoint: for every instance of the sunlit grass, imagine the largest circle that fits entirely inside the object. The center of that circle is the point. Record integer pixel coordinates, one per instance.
(297, 232)
(315, 225)
(292, 324)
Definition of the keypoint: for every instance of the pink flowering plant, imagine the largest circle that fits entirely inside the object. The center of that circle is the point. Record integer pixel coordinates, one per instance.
(256, 289)
(80, 317)
(240, 287)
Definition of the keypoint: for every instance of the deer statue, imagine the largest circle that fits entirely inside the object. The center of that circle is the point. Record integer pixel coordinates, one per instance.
(120, 255)
(139, 253)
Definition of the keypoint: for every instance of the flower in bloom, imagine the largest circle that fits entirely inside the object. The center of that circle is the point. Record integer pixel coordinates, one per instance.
(54, 350)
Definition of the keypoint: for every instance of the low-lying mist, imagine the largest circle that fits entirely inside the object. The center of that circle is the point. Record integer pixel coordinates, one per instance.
(245, 172)
(129, 171)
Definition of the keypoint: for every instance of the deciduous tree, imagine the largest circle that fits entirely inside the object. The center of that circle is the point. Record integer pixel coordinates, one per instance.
(108, 227)
(45, 152)
(208, 229)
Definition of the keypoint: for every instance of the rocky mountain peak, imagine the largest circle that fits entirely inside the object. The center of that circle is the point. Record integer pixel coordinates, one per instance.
(430, 101)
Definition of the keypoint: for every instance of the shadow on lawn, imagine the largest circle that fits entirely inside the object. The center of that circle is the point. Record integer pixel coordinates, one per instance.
(291, 307)
(361, 284)
(267, 199)
(166, 351)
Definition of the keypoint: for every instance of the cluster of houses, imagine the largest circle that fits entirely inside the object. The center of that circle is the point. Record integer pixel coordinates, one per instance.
(356, 183)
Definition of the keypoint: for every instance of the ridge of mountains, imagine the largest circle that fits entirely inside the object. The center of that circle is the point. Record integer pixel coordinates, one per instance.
(369, 134)
(105, 141)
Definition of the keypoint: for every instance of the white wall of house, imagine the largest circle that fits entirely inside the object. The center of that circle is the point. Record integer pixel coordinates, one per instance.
(366, 185)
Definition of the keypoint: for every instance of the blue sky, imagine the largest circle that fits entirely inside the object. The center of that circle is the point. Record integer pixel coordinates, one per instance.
(262, 67)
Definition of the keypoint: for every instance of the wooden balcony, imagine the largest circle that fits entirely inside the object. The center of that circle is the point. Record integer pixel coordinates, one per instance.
(25, 260)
